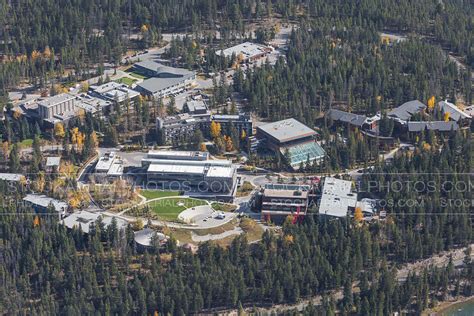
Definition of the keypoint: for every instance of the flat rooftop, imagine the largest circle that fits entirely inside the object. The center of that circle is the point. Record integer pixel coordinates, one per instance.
(56, 99)
(164, 154)
(337, 197)
(183, 162)
(220, 172)
(287, 130)
(105, 162)
(247, 49)
(116, 169)
(155, 85)
(286, 194)
(10, 176)
(178, 169)
(53, 161)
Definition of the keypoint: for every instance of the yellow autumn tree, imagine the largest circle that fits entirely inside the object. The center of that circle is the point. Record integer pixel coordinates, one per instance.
(229, 146)
(431, 103)
(215, 129)
(59, 131)
(85, 87)
(95, 140)
(77, 138)
(289, 239)
(36, 221)
(137, 225)
(358, 216)
(47, 52)
(16, 114)
(67, 169)
(447, 116)
(144, 28)
(35, 55)
(243, 135)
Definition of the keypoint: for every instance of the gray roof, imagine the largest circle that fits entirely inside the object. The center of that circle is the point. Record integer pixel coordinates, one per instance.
(455, 113)
(53, 161)
(10, 176)
(196, 105)
(148, 64)
(45, 201)
(346, 117)
(143, 237)
(434, 126)
(407, 110)
(84, 219)
(162, 69)
(287, 130)
(155, 85)
(56, 99)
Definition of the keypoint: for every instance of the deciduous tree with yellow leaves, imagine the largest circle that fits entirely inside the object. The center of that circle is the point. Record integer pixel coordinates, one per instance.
(447, 116)
(358, 216)
(431, 103)
(215, 129)
(59, 131)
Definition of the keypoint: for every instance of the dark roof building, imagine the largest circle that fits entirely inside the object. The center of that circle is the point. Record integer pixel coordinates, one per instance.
(165, 80)
(346, 117)
(439, 126)
(404, 112)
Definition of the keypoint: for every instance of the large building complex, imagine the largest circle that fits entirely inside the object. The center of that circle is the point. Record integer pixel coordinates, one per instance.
(42, 203)
(109, 166)
(281, 200)
(245, 51)
(164, 80)
(177, 128)
(180, 127)
(337, 198)
(57, 108)
(115, 92)
(83, 220)
(189, 171)
(291, 139)
(404, 112)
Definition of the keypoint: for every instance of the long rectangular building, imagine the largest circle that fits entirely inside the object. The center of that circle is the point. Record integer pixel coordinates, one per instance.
(281, 200)
(189, 171)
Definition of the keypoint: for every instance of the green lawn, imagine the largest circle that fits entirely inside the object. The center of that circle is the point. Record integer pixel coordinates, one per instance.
(224, 207)
(137, 75)
(169, 209)
(126, 80)
(26, 143)
(153, 194)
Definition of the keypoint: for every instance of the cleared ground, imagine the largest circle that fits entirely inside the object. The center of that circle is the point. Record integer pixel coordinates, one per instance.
(154, 194)
(169, 208)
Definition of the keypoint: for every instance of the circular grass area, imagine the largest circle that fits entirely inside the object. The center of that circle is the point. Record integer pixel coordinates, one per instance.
(169, 208)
